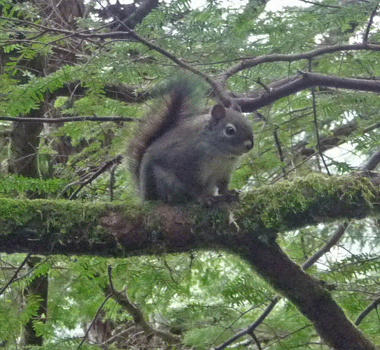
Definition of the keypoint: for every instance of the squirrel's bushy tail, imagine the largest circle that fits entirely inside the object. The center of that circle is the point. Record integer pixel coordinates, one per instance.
(181, 101)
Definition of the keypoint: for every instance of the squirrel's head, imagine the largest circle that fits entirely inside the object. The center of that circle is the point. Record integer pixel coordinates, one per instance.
(231, 132)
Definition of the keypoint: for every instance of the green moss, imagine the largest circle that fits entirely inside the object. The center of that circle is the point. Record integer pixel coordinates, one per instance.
(58, 216)
(275, 205)
(263, 211)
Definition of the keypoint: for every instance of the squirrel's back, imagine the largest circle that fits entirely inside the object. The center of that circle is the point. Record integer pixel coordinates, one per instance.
(172, 109)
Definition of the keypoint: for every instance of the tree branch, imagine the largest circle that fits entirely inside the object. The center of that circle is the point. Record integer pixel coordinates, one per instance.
(372, 162)
(366, 312)
(15, 274)
(370, 22)
(70, 227)
(338, 136)
(312, 300)
(252, 62)
(119, 230)
(93, 321)
(93, 118)
(92, 176)
(253, 326)
(122, 299)
(310, 262)
(302, 82)
(332, 241)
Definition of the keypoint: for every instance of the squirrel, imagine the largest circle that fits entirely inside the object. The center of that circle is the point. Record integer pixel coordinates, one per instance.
(179, 154)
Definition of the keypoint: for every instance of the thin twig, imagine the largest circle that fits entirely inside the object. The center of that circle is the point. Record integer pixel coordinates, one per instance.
(253, 326)
(110, 294)
(112, 180)
(253, 335)
(15, 274)
(94, 319)
(279, 148)
(122, 299)
(246, 63)
(316, 124)
(333, 240)
(366, 311)
(93, 118)
(319, 4)
(100, 171)
(279, 177)
(370, 22)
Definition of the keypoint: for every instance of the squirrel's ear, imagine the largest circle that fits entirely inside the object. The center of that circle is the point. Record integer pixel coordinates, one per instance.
(218, 112)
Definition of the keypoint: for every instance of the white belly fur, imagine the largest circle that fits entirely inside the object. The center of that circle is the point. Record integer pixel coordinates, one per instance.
(216, 170)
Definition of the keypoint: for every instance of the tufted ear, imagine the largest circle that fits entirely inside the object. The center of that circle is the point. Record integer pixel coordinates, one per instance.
(218, 112)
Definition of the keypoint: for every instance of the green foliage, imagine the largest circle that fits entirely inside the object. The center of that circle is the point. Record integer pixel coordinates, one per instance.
(15, 184)
(205, 296)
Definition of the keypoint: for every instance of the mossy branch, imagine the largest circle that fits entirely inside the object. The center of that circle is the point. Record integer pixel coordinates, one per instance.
(108, 229)
(249, 230)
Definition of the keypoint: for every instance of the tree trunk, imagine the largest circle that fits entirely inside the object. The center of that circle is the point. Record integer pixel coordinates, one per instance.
(38, 287)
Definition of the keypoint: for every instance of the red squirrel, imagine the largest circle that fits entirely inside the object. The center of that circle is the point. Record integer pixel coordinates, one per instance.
(179, 155)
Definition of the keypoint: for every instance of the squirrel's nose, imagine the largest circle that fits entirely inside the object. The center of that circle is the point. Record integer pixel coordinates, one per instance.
(248, 145)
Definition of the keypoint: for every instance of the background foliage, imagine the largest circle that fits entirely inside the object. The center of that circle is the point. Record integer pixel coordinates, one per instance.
(54, 64)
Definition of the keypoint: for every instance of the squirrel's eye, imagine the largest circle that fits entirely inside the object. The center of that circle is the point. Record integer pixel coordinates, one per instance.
(230, 130)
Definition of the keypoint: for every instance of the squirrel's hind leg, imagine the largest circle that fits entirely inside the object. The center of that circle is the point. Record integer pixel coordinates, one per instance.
(168, 187)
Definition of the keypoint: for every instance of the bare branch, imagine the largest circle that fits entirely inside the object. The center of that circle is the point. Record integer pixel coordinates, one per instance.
(366, 311)
(122, 299)
(93, 118)
(15, 274)
(314, 104)
(92, 176)
(302, 82)
(372, 162)
(333, 240)
(319, 4)
(327, 142)
(252, 62)
(257, 342)
(93, 321)
(253, 326)
(310, 262)
(370, 22)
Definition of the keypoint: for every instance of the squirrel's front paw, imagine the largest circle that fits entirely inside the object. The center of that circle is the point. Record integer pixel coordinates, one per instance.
(231, 196)
(215, 201)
